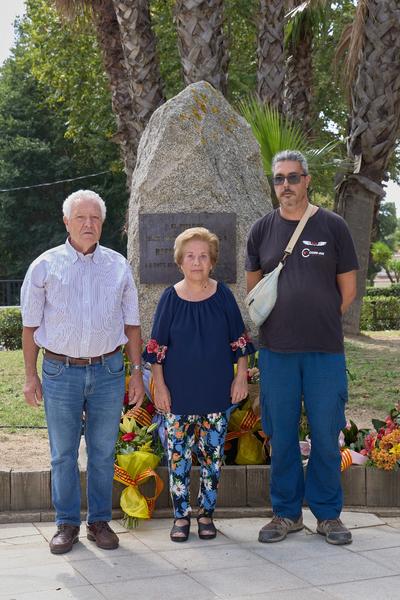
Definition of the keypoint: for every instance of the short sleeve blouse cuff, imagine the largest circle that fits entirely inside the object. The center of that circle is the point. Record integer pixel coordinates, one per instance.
(242, 346)
(154, 352)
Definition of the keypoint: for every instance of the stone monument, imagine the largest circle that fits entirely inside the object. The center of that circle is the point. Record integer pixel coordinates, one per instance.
(198, 164)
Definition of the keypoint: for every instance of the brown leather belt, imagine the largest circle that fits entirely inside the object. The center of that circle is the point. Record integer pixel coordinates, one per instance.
(70, 360)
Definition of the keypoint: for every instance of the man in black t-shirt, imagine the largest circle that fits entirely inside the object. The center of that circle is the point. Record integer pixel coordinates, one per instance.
(301, 351)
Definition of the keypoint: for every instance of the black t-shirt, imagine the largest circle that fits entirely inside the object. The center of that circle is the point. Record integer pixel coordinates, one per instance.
(306, 316)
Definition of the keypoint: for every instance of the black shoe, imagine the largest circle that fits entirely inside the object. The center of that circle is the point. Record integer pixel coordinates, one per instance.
(180, 533)
(207, 531)
(64, 539)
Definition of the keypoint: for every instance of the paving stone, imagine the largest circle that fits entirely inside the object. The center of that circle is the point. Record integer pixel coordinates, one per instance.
(177, 586)
(293, 594)
(159, 540)
(296, 546)
(86, 592)
(246, 580)
(328, 568)
(241, 530)
(211, 558)
(388, 557)
(49, 577)
(374, 538)
(112, 567)
(13, 530)
(370, 589)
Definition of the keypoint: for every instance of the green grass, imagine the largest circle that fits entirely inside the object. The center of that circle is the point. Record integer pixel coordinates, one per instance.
(14, 412)
(373, 361)
(374, 366)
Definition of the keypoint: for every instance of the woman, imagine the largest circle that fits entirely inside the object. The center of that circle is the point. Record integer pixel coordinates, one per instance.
(198, 334)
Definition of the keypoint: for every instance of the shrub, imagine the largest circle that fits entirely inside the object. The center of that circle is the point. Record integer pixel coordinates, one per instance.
(379, 313)
(11, 328)
(393, 290)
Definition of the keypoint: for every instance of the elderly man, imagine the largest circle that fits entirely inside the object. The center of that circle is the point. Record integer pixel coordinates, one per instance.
(79, 304)
(302, 354)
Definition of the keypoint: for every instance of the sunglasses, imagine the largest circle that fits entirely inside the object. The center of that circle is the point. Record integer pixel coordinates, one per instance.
(291, 178)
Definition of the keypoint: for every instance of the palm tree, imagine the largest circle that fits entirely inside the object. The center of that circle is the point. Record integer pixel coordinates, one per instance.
(374, 74)
(201, 42)
(130, 61)
(303, 19)
(271, 61)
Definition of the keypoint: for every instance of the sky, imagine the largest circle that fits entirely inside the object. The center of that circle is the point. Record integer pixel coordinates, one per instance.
(9, 9)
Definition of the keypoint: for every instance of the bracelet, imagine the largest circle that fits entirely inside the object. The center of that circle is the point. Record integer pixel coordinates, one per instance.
(134, 367)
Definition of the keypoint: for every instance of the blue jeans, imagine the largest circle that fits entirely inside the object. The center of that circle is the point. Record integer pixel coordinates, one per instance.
(321, 379)
(69, 391)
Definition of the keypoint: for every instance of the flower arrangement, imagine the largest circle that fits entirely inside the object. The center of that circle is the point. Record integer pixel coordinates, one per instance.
(138, 451)
(378, 447)
(382, 445)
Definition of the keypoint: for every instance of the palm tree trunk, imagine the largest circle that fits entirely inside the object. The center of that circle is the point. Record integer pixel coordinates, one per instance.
(374, 126)
(201, 42)
(141, 60)
(271, 62)
(298, 83)
(108, 35)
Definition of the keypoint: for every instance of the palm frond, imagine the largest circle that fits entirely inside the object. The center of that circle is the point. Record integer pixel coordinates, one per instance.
(275, 132)
(356, 41)
(71, 9)
(305, 18)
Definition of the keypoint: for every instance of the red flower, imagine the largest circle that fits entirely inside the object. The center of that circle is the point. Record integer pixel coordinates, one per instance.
(128, 437)
(152, 346)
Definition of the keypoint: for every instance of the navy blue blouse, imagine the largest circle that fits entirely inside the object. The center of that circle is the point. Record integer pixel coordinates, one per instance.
(197, 344)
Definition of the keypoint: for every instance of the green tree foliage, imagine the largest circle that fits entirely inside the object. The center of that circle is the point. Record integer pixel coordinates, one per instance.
(34, 150)
(387, 224)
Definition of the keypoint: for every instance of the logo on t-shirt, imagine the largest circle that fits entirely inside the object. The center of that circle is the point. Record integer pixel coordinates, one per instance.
(306, 252)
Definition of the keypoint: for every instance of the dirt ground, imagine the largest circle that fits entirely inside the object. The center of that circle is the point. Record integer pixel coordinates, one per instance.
(29, 450)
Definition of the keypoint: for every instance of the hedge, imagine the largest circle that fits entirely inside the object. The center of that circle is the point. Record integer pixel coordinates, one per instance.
(11, 328)
(380, 312)
(391, 291)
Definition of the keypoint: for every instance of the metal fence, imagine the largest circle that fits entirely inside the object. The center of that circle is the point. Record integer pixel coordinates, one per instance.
(10, 292)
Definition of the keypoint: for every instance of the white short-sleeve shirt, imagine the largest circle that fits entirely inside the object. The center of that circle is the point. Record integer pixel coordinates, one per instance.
(79, 303)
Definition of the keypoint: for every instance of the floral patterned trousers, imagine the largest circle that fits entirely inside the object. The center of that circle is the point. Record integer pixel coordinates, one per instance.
(206, 435)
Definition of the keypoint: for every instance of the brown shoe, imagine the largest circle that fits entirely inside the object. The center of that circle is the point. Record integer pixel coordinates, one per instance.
(101, 533)
(64, 539)
(278, 528)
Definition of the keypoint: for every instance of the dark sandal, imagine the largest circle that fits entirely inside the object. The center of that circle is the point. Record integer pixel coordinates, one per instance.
(180, 529)
(207, 531)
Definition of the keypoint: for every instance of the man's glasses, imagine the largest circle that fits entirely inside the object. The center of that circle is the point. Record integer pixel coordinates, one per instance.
(291, 178)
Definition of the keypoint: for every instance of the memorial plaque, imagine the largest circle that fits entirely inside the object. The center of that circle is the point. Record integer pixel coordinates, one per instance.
(157, 233)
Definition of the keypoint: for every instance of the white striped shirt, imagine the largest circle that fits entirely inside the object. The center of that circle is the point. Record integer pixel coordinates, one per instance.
(80, 303)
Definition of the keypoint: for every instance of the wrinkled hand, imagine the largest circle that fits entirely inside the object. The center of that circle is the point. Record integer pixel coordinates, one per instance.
(33, 390)
(162, 398)
(136, 389)
(239, 388)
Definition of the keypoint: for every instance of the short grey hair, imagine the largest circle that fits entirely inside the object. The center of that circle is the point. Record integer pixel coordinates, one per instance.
(83, 195)
(291, 155)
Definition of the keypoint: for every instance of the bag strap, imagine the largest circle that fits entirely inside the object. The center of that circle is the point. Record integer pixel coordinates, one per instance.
(297, 232)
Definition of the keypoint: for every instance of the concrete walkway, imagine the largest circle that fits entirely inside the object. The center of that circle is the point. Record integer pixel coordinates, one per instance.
(148, 566)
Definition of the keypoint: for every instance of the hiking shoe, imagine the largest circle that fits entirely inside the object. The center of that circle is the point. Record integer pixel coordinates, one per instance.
(334, 531)
(65, 537)
(101, 533)
(278, 528)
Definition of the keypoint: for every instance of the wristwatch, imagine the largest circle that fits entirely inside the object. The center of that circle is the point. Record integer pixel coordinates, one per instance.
(134, 367)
